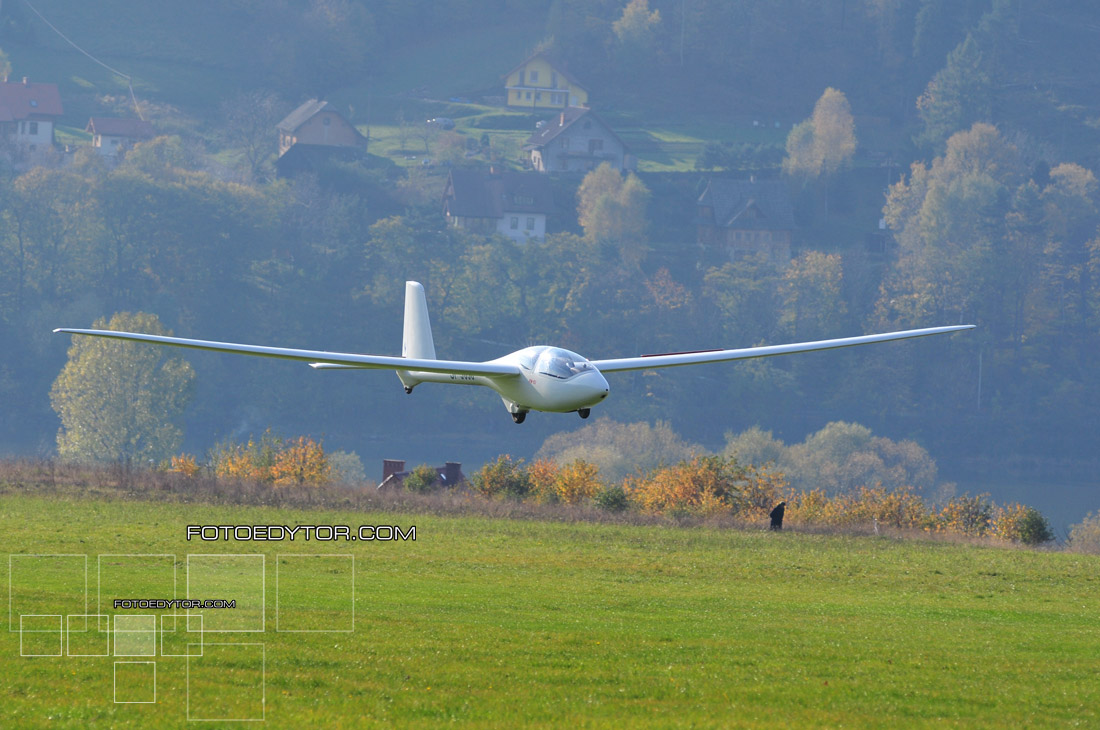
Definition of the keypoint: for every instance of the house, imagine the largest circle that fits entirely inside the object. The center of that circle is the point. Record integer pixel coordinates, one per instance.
(539, 83)
(28, 113)
(317, 123)
(576, 141)
(513, 204)
(112, 135)
(747, 218)
(394, 473)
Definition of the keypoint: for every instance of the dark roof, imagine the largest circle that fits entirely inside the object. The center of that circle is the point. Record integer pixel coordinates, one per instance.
(117, 127)
(23, 100)
(563, 121)
(301, 115)
(397, 478)
(762, 205)
(557, 65)
(478, 194)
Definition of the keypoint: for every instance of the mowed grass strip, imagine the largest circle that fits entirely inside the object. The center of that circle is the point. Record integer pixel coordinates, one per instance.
(502, 623)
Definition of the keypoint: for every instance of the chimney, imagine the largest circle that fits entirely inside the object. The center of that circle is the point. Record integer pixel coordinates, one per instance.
(391, 467)
(561, 120)
(24, 81)
(452, 472)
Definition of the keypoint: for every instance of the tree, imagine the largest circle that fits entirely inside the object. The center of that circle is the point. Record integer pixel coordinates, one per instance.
(121, 400)
(618, 449)
(249, 118)
(824, 143)
(5, 66)
(636, 31)
(957, 96)
(613, 210)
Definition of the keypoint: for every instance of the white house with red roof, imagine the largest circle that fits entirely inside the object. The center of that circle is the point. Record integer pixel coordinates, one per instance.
(114, 135)
(28, 113)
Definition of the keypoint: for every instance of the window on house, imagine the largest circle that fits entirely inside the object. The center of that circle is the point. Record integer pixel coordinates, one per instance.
(538, 96)
(530, 223)
(594, 146)
(520, 79)
(528, 94)
(514, 222)
(534, 77)
(34, 128)
(553, 79)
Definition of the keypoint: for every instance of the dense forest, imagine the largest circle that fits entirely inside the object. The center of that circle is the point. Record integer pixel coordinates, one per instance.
(975, 132)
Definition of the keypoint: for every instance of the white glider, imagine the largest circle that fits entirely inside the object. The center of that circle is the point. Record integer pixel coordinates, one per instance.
(540, 378)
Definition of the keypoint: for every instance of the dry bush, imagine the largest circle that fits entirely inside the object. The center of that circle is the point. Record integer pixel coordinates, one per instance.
(577, 481)
(1084, 537)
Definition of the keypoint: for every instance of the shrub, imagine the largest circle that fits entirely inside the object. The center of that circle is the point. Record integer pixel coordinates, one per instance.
(184, 464)
(1019, 523)
(543, 478)
(1084, 537)
(704, 485)
(272, 460)
(965, 515)
(503, 477)
(421, 479)
(577, 481)
(612, 498)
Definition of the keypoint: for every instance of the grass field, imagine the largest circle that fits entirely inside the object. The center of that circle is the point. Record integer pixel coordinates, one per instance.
(501, 623)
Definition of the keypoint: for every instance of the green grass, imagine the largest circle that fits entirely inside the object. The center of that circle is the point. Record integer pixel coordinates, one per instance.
(502, 623)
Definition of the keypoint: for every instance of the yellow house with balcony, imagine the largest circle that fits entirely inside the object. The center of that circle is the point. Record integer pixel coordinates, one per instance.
(537, 83)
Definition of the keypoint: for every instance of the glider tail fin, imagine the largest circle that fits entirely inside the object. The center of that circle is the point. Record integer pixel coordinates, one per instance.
(417, 341)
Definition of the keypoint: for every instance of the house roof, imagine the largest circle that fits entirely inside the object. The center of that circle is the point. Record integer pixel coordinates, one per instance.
(477, 194)
(563, 121)
(397, 478)
(557, 66)
(301, 115)
(23, 100)
(761, 205)
(118, 127)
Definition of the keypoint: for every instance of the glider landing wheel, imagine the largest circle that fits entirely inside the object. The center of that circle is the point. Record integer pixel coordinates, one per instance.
(519, 417)
(583, 412)
(408, 390)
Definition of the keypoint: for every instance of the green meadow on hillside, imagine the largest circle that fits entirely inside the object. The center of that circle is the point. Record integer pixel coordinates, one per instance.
(486, 622)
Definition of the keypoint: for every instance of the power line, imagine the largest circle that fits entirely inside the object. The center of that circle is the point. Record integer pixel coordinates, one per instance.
(129, 79)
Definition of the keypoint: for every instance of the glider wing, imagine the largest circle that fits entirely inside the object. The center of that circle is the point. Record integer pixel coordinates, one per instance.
(318, 358)
(670, 360)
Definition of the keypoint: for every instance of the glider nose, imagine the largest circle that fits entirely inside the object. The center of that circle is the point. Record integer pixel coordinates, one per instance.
(594, 386)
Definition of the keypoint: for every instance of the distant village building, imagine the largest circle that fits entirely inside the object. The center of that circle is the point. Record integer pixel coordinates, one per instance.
(539, 83)
(513, 204)
(28, 113)
(394, 473)
(113, 136)
(317, 123)
(576, 140)
(747, 218)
